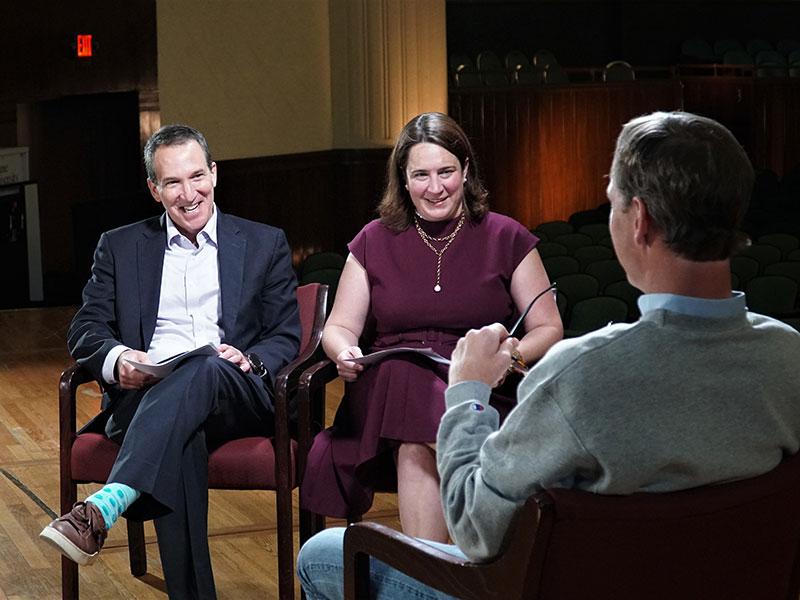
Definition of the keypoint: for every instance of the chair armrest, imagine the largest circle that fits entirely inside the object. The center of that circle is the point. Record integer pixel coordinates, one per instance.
(425, 563)
(71, 378)
(286, 378)
(514, 573)
(284, 384)
(311, 405)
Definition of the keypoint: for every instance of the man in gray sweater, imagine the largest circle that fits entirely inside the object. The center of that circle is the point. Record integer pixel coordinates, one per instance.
(698, 391)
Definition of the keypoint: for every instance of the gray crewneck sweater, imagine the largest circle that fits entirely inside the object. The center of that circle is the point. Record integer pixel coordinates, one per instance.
(669, 402)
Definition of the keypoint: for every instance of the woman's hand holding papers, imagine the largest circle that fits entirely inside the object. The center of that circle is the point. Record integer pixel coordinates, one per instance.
(347, 369)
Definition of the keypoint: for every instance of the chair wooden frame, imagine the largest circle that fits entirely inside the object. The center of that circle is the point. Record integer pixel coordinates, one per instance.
(286, 477)
(561, 537)
(310, 400)
(454, 575)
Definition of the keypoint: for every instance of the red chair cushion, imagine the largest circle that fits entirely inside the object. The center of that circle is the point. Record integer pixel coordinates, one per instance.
(246, 464)
(93, 455)
(243, 464)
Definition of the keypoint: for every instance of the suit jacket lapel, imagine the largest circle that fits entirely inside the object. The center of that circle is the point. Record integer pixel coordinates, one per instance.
(231, 256)
(150, 256)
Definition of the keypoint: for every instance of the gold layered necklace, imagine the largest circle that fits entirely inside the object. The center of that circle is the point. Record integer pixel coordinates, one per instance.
(448, 239)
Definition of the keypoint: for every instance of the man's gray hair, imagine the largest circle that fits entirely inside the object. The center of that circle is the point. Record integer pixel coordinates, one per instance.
(692, 175)
(172, 135)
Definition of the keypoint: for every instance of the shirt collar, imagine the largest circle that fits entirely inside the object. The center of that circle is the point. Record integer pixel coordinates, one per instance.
(207, 233)
(692, 306)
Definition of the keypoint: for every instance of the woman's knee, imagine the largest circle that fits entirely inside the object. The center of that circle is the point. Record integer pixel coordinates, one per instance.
(417, 451)
(415, 458)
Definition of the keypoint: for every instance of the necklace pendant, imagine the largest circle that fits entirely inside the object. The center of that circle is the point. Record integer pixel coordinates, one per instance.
(437, 288)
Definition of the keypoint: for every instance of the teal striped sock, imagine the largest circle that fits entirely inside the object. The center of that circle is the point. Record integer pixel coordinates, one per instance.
(113, 500)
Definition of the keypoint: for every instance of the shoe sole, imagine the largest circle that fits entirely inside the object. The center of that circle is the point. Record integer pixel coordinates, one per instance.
(62, 543)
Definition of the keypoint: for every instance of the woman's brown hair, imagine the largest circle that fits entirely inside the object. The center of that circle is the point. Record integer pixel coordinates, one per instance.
(396, 209)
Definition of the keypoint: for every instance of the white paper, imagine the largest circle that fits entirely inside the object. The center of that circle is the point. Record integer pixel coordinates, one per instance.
(165, 367)
(381, 354)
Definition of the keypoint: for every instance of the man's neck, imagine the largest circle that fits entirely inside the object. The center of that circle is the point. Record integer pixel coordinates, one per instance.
(672, 274)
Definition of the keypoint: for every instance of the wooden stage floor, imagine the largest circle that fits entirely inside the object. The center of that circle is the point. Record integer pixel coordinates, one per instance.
(242, 531)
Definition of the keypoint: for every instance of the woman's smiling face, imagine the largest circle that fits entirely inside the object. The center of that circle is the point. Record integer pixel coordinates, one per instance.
(435, 182)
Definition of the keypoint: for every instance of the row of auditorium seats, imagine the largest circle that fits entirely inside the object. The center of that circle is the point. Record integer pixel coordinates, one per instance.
(487, 69)
(759, 57)
(322, 267)
(770, 60)
(542, 68)
(581, 261)
(592, 288)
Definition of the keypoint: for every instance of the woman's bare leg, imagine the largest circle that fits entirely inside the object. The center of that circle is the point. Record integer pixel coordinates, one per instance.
(418, 498)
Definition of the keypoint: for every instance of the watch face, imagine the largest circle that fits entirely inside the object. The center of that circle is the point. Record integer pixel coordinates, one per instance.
(256, 365)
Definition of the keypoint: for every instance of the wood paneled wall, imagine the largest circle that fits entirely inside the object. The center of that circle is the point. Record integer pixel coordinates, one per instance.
(543, 152)
(320, 199)
(776, 125)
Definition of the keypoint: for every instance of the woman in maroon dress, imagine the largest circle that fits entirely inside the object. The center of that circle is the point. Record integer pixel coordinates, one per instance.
(436, 264)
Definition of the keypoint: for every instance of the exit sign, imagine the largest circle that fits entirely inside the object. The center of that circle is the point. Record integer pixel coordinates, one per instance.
(83, 45)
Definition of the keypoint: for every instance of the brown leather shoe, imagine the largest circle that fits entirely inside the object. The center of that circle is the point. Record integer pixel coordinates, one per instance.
(79, 535)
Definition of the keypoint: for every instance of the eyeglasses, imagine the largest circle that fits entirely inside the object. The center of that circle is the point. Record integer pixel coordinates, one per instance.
(517, 362)
(524, 314)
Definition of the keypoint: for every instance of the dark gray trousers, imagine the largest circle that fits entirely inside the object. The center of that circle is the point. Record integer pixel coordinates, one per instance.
(166, 432)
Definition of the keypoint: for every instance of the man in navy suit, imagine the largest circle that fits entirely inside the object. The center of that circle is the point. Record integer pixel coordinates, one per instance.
(158, 288)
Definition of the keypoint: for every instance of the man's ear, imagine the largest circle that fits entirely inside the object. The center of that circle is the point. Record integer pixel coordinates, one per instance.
(154, 191)
(641, 221)
(213, 174)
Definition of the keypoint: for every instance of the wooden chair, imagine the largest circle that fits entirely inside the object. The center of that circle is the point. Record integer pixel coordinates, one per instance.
(733, 540)
(311, 387)
(253, 463)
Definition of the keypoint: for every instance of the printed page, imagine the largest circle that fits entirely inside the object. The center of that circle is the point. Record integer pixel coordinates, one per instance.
(165, 367)
(381, 354)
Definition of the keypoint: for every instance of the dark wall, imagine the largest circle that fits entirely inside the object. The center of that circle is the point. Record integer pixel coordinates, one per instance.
(85, 159)
(36, 38)
(80, 118)
(594, 33)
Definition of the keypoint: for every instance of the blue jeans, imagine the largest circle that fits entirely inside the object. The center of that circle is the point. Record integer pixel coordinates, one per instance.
(321, 572)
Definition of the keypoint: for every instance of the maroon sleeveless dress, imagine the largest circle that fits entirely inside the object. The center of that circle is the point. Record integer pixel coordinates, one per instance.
(401, 399)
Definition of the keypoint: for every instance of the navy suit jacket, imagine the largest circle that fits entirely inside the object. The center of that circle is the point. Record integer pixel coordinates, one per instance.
(120, 301)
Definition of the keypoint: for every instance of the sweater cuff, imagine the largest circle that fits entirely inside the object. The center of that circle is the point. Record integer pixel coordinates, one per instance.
(467, 391)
